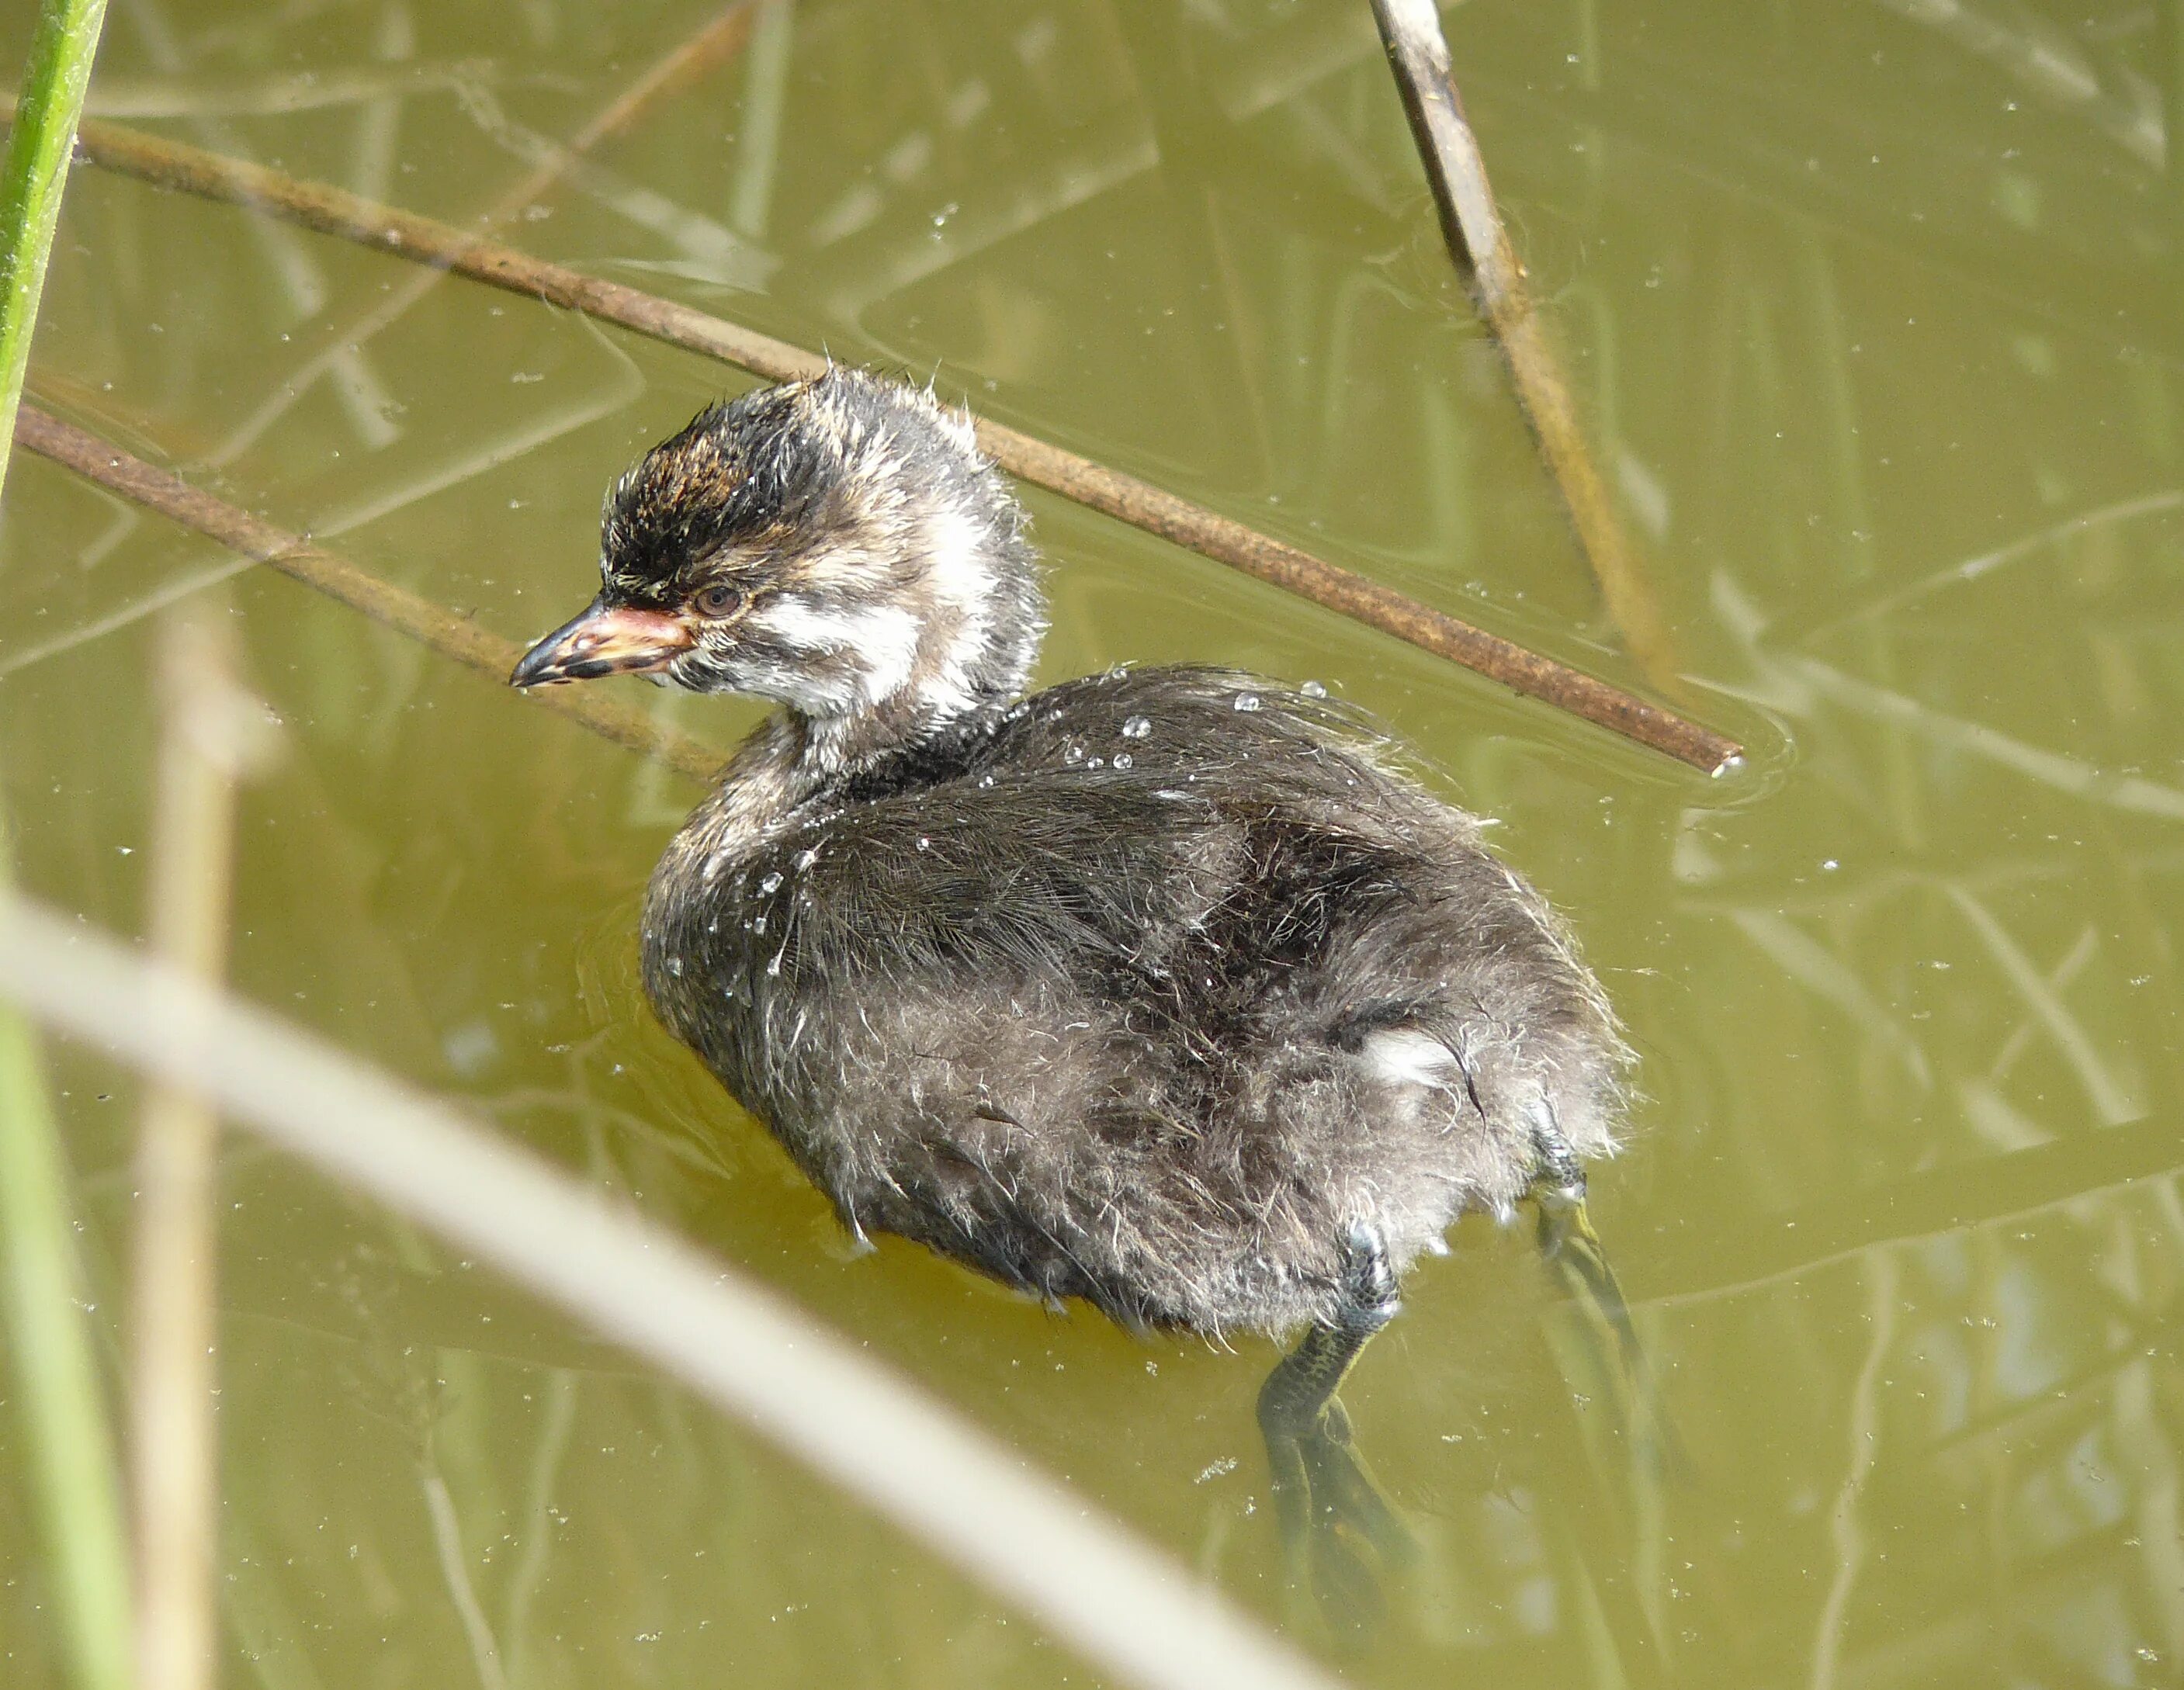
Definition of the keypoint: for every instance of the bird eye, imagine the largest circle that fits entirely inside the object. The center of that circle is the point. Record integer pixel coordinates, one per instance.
(718, 601)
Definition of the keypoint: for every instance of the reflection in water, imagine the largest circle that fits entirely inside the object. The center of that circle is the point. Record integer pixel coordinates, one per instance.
(1874, 308)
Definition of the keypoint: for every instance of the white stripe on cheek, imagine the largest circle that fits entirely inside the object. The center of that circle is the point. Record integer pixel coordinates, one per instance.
(797, 626)
(882, 638)
(887, 640)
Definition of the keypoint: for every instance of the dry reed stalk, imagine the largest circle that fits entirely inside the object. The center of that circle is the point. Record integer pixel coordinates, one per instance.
(212, 732)
(1478, 242)
(396, 607)
(334, 211)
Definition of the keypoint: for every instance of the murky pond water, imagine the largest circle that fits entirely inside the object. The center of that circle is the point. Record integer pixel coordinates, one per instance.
(1876, 307)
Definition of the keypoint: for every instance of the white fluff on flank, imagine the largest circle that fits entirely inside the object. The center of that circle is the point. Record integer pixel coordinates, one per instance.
(1403, 1056)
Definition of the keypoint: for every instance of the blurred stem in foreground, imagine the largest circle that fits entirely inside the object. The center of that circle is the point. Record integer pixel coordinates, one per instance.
(33, 170)
(1138, 1617)
(212, 733)
(52, 1376)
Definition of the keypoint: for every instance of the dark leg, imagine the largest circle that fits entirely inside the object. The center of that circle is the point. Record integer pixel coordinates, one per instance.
(1332, 1518)
(1572, 1252)
(1605, 1365)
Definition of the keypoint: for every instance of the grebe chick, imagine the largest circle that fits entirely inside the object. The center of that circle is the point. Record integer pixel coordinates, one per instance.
(1163, 988)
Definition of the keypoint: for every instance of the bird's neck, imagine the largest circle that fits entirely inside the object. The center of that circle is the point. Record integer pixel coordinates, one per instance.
(794, 766)
(979, 616)
(835, 749)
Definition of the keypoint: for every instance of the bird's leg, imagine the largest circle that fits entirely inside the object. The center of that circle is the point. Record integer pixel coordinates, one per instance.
(1570, 1246)
(1332, 1515)
(1572, 1252)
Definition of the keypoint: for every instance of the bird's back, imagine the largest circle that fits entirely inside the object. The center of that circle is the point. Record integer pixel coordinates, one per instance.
(1143, 991)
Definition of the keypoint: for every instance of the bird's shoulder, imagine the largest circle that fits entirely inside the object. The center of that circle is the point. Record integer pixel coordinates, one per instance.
(1132, 763)
(1098, 813)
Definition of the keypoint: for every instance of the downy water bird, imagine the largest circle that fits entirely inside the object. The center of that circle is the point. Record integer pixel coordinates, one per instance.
(1165, 988)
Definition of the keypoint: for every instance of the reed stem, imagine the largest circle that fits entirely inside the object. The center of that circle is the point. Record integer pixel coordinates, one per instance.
(55, 1379)
(211, 731)
(1478, 242)
(396, 607)
(33, 173)
(330, 210)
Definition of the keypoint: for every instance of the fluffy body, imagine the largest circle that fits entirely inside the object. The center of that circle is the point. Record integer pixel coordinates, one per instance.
(1158, 988)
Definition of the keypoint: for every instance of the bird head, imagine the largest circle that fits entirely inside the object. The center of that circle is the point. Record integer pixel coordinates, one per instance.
(838, 544)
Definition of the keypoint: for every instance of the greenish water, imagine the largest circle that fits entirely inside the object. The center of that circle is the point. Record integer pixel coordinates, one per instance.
(1876, 306)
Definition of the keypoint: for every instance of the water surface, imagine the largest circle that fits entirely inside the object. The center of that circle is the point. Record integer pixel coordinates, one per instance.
(1874, 308)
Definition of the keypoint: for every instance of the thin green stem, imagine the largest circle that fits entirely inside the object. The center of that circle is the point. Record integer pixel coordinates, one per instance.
(54, 1380)
(33, 170)
(58, 1384)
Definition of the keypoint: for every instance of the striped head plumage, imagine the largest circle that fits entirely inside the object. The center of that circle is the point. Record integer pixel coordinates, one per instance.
(838, 544)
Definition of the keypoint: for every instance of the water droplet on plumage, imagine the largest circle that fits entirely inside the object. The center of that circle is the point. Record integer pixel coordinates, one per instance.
(985, 780)
(1073, 752)
(675, 966)
(1313, 689)
(805, 859)
(1247, 701)
(1138, 727)
(923, 843)
(771, 883)
(759, 925)
(1095, 762)
(1123, 759)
